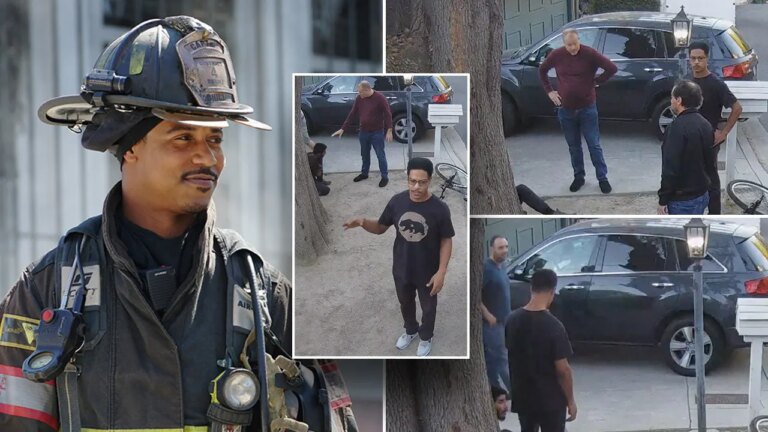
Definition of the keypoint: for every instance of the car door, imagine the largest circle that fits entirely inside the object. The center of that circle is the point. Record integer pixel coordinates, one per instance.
(640, 57)
(635, 281)
(535, 101)
(334, 101)
(573, 259)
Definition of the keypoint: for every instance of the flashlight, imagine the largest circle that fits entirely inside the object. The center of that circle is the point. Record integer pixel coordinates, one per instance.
(233, 393)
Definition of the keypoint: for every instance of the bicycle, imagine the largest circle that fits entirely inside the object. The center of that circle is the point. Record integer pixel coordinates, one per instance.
(750, 196)
(453, 177)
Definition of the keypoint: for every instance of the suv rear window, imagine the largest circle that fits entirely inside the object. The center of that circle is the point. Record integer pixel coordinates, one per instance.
(735, 43)
(754, 253)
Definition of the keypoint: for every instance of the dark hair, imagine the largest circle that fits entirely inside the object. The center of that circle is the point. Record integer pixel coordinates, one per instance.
(689, 92)
(497, 391)
(699, 45)
(543, 280)
(319, 148)
(495, 237)
(420, 163)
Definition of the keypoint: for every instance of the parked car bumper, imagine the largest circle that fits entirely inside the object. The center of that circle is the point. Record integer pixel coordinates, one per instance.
(733, 339)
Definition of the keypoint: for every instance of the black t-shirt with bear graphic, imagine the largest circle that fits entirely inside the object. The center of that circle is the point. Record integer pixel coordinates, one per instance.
(420, 227)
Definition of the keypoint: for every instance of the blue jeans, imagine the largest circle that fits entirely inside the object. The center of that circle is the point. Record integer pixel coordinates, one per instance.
(694, 206)
(496, 362)
(578, 122)
(375, 140)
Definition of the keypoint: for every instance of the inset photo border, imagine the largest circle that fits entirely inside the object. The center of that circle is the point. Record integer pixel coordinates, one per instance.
(353, 288)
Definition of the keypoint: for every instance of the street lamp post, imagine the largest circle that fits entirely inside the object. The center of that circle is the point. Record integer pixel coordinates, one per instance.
(681, 29)
(408, 78)
(697, 237)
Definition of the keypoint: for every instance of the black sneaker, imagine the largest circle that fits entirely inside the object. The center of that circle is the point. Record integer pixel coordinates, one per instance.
(577, 184)
(383, 182)
(360, 177)
(605, 187)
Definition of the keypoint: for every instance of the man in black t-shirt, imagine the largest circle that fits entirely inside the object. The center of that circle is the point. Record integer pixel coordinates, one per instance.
(421, 252)
(542, 382)
(716, 96)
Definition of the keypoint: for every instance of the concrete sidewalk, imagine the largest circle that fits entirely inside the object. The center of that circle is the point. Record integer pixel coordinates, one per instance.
(626, 389)
(344, 153)
(540, 159)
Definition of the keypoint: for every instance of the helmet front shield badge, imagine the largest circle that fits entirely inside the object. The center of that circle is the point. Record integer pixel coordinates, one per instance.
(177, 68)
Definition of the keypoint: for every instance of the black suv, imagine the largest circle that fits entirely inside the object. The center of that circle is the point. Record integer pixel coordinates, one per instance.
(327, 103)
(642, 46)
(630, 282)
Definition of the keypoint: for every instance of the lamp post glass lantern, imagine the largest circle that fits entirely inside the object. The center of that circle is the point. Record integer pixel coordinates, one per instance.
(697, 238)
(681, 30)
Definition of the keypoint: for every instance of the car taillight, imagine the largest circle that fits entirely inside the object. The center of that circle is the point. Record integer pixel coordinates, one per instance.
(736, 71)
(440, 98)
(757, 286)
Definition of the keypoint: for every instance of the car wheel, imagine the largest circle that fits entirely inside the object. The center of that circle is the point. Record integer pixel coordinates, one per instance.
(678, 346)
(509, 115)
(400, 128)
(662, 117)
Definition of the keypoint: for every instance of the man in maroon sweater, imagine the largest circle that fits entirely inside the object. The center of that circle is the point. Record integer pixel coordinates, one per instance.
(372, 108)
(576, 66)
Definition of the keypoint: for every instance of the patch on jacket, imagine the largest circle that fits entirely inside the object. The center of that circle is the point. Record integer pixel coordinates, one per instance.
(92, 285)
(18, 332)
(242, 309)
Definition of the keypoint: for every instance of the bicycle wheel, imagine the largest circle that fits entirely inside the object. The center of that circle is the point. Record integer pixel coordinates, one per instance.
(750, 196)
(456, 176)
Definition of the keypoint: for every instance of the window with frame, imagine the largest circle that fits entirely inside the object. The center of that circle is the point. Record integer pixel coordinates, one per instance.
(686, 263)
(342, 84)
(632, 43)
(587, 37)
(634, 253)
(567, 256)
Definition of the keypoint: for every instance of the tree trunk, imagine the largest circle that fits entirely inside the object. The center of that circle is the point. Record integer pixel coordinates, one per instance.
(446, 395)
(463, 36)
(311, 218)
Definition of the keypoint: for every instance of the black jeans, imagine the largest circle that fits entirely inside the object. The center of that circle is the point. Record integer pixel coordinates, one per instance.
(548, 421)
(714, 188)
(529, 197)
(406, 294)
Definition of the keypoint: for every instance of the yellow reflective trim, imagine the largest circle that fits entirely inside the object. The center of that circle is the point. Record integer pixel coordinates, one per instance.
(15, 345)
(186, 429)
(22, 318)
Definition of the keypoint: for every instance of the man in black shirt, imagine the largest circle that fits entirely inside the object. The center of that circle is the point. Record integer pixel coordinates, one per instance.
(687, 160)
(421, 252)
(542, 381)
(716, 95)
(500, 402)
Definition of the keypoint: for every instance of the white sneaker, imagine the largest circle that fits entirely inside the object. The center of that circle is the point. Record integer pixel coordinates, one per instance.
(404, 340)
(425, 347)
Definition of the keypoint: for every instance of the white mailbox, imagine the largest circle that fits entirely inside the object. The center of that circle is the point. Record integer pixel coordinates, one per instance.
(442, 115)
(753, 96)
(752, 325)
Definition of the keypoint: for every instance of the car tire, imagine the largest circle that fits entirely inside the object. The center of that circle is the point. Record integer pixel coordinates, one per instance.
(674, 333)
(661, 117)
(398, 125)
(510, 118)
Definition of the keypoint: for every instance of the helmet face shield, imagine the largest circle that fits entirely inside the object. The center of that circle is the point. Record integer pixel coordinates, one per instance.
(177, 69)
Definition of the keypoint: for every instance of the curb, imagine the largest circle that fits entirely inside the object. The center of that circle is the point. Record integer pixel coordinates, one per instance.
(452, 142)
(752, 138)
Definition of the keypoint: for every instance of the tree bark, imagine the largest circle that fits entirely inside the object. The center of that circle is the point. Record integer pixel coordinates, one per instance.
(463, 36)
(312, 235)
(446, 395)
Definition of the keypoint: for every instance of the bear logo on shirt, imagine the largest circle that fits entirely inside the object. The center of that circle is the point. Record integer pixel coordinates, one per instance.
(412, 226)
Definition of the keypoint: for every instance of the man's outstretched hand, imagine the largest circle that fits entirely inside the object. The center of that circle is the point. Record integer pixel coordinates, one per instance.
(338, 133)
(353, 223)
(436, 283)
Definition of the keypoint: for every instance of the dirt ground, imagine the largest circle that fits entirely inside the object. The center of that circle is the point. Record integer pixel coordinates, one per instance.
(624, 204)
(346, 303)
